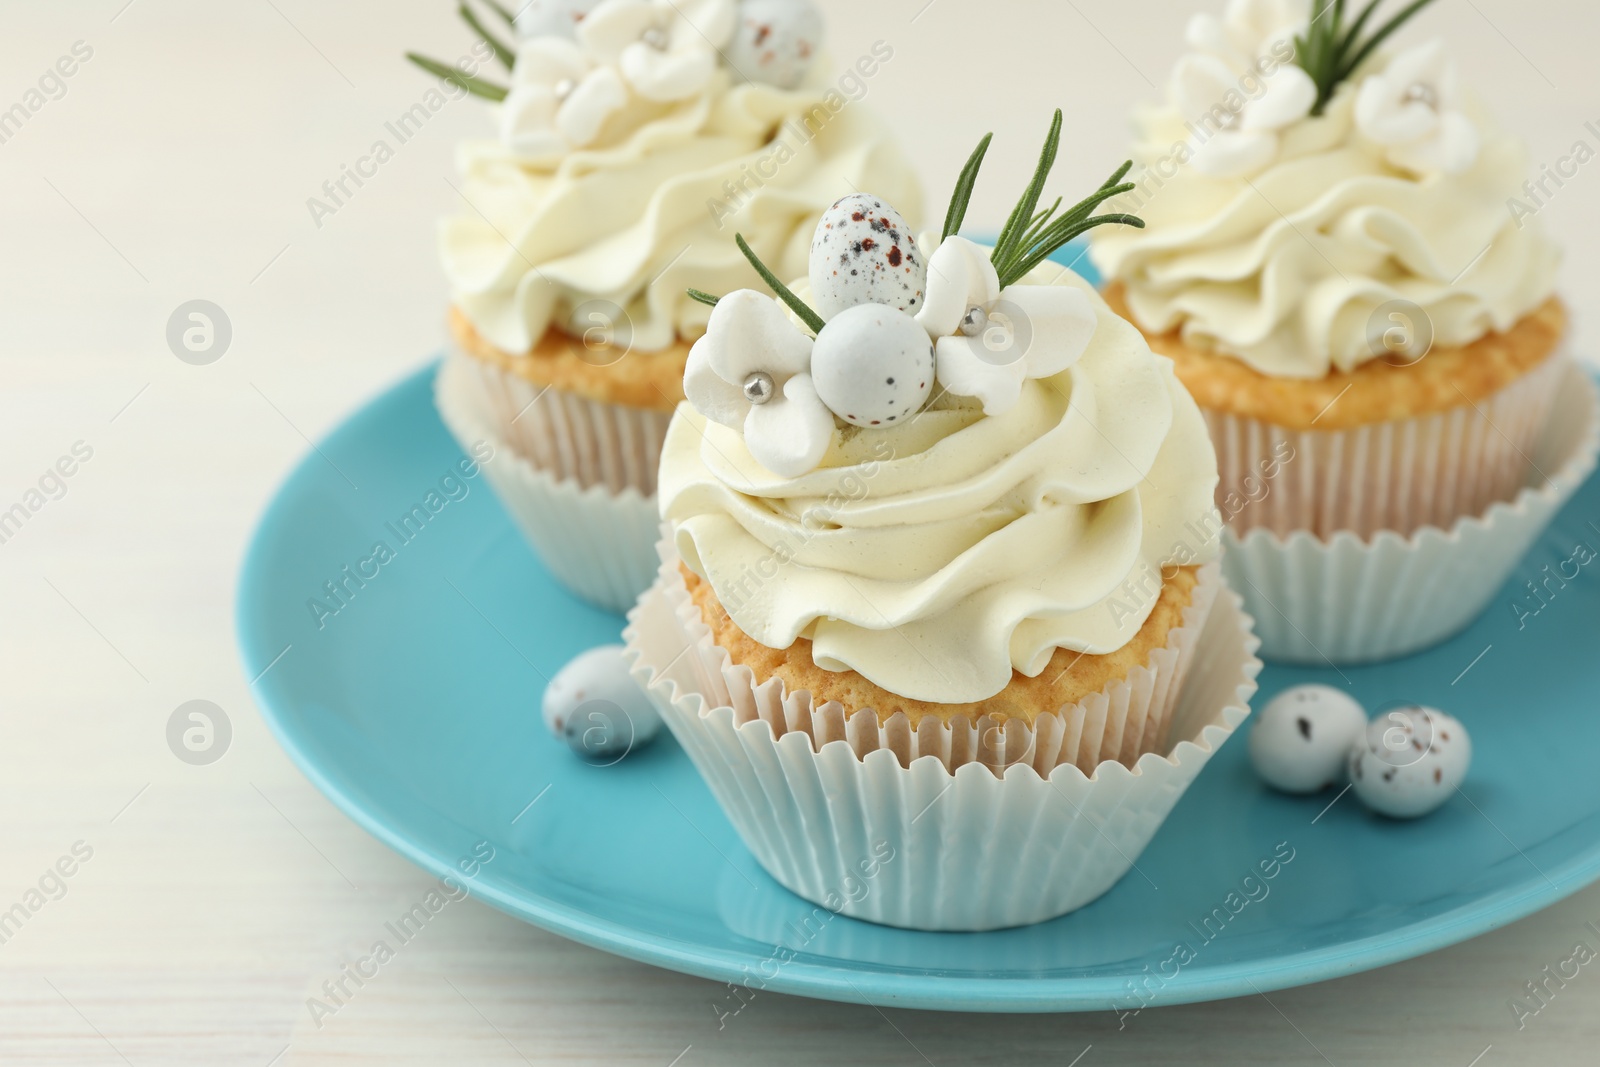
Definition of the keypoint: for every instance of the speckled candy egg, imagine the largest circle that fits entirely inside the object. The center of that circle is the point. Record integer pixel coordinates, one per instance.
(775, 41)
(1411, 761)
(1301, 739)
(863, 253)
(594, 706)
(873, 365)
(551, 18)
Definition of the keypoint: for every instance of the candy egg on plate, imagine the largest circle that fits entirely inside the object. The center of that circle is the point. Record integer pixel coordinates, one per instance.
(594, 706)
(1302, 738)
(1411, 761)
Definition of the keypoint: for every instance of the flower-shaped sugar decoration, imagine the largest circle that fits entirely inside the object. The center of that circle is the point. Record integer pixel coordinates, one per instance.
(1248, 30)
(752, 371)
(1411, 109)
(666, 49)
(559, 99)
(1238, 134)
(988, 340)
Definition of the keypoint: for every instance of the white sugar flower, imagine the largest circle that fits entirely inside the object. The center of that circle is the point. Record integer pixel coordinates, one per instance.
(1238, 133)
(559, 99)
(752, 371)
(666, 49)
(1411, 109)
(1247, 30)
(988, 341)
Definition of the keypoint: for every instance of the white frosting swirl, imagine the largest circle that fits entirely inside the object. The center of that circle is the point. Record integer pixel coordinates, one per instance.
(1284, 269)
(653, 211)
(936, 557)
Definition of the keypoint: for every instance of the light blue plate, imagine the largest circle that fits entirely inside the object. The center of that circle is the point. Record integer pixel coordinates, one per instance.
(415, 708)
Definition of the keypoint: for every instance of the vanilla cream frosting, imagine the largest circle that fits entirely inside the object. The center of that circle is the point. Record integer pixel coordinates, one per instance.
(936, 557)
(652, 207)
(1289, 269)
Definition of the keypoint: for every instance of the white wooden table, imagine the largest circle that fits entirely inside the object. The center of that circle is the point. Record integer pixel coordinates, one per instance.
(174, 164)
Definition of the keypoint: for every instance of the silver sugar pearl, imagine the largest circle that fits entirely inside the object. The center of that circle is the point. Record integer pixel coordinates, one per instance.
(1424, 94)
(656, 38)
(974, 321)
(564, 87)
(758, 388)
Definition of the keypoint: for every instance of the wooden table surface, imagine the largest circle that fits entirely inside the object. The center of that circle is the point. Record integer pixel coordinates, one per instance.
(206, 904)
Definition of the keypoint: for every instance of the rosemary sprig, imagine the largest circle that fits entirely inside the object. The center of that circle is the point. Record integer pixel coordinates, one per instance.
(503, 52)
(1009, 244)
(963, 192)
(474, 85)
(1079, 219)
(1038, 224)
(703, 297)
(1361, 20)
(798, 306)
(1330, 52)
(1381, 35)
(1030, 235)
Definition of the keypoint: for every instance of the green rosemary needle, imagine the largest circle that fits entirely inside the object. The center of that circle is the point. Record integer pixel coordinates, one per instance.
(474, 85)
(963, 193)
(798, 306)
(504, 53)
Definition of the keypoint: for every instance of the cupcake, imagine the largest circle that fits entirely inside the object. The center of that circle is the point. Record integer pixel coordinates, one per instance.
(1335, 261)
(939, 615)
(635, 136)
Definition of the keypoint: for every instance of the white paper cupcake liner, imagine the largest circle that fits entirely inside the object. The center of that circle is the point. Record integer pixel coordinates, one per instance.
(1345, 600)
(871, 822)
(570, 437)
(596, 540)
(1399, 476)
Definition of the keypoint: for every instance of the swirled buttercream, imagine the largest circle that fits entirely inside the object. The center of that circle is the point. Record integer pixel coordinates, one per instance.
(651, 211)
(1284, 269)
(937, 557)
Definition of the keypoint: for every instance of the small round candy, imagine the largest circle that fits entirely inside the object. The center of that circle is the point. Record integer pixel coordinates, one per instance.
(1411, 761)
(863, 252)
(873, 365)
(775, 41)
(594, 706)
(1303, 736)
(551, 18)
(759, 387)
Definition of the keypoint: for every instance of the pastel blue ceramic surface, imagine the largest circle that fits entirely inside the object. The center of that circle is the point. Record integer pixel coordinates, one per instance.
(415, 708)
